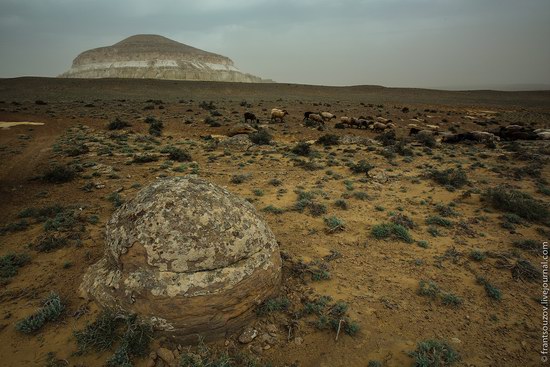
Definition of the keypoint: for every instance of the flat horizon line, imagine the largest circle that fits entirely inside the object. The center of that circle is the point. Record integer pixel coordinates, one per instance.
(514, 87)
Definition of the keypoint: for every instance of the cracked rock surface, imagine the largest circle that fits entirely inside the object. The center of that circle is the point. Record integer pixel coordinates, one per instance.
(188, 256)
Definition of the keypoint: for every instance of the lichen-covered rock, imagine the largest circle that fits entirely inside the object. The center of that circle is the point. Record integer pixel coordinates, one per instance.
(239, 142)
(188, 256)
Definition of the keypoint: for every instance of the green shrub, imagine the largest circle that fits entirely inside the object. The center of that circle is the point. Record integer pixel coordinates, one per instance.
(116, 199)
(155, 127)
(524, 270)
(423, 244)
(317, 306)
(437, 220)
(63, 221)
(360, 195)
(20, 225)
(334, 224)
(427, 140)
(10, 264)
(452, 177)
(99, 335)
(386, 138)
(273, 209)
(402, 149)
(207, 105)
(428, 289)
(361, 167)
(135, 342)
(318, 274)
(446, 210)
(275, 182)
(51, 309)
(258, 192)
(117, 124)
(387, 230)
(528, 245)
(492, 291)
(144, 158)
(382, 231)
(40, 213)
(434, 353)
(543, 189)
(449, 299)
(402, 220)
(339, 308)
(212, 122)
(76, 149)
(478, 255)
(261, 137)
(512, 218)
(59, 174)
(239, 179)
(346, 325)
(342, 204)
(328, 140)
(273, 305)
(49, 243)
(302, 148)
(517, 202)
(177, 154)
(434, 231)
(317, 209)
(133, 336)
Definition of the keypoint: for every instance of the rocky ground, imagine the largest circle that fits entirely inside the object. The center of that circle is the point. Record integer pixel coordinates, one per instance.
(386, 242)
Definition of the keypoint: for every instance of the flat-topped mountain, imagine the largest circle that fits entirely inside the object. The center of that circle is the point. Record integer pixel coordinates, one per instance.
(156, 57)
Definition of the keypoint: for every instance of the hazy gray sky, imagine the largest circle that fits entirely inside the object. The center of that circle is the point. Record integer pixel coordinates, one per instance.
(410, 43)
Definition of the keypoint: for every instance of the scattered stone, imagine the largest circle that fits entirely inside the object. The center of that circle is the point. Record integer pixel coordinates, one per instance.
(239, 142)
(298, 340)
(266, 338)
(354, 139)
(272, 329)
(248, 335)
(241, 129)
(166, 355)
(257, 349)
(378, 175)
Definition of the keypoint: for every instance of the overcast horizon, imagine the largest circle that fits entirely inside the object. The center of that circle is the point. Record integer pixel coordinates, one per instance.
(450, 44)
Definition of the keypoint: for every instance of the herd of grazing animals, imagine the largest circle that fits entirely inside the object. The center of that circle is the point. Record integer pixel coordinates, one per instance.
(508, 133)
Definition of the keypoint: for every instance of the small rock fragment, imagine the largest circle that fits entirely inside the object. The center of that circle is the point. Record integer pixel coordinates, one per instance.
(248, 335)
(166, 355)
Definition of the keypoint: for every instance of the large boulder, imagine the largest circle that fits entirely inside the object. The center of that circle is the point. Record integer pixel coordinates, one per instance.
(187, 256)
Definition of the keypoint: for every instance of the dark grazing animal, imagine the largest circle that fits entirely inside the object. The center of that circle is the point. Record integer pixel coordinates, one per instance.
(516, 132)
(457, 138)
(414, 131)
(249, 116)
(306, 114)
